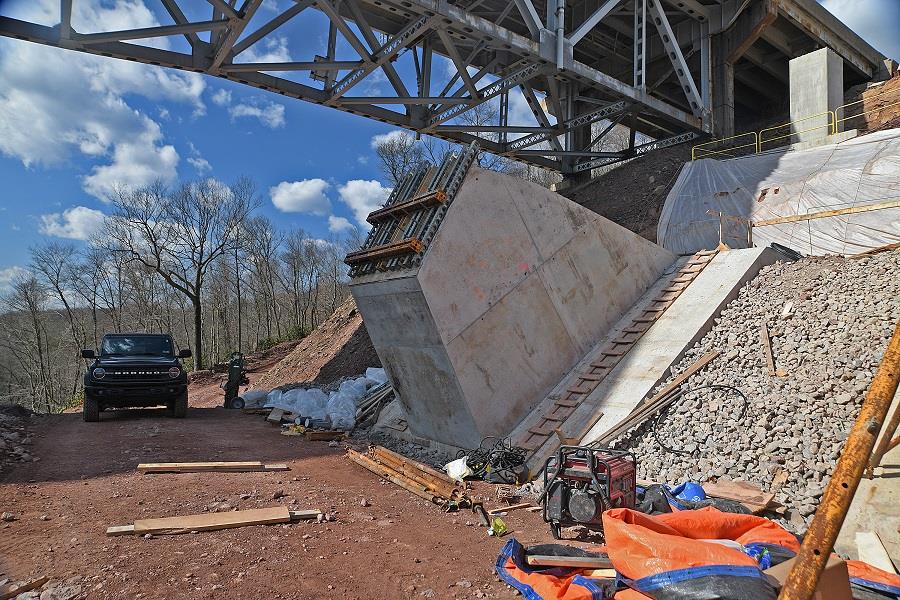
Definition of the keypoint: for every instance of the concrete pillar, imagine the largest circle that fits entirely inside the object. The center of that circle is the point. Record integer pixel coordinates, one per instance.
(817, 87)
(722, 90)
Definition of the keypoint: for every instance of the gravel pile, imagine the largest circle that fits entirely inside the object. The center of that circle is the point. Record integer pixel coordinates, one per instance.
(830, 320)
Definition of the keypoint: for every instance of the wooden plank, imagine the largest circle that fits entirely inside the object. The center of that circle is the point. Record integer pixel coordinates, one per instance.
(275, 416)
(828, 213)
(25, 587)
(213, 521)
(591, 376)
(120, 530)
(302, 515)
(612, 353)
(538, 431)
(565, 403)
(563, 439)
(391, 475)
(644, 410)
(739, 491)
(503, 509)
(209, 467)
(574, 562)
(871, 550)
(699, 364)
(767, 348)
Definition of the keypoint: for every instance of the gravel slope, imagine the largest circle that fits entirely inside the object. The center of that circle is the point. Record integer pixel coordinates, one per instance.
(830, 342)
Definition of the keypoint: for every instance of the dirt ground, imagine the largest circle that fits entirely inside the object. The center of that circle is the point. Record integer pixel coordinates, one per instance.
(392, 545)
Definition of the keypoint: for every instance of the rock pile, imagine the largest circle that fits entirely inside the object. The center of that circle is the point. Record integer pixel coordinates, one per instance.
(830, 320)
(14, 437)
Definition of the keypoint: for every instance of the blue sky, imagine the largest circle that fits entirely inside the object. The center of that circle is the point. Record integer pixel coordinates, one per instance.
(72, 126)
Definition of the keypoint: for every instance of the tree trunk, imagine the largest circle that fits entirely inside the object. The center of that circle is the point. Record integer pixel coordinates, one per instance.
(198, 333)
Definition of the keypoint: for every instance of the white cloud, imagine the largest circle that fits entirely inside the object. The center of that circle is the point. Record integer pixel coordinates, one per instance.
(270, 114)
(221, 97)
(135, 162)
(197, 161)
(391, 136)
(56, 103)
(338, 224)
(8, 275)
(76, 223)
(268, 50)
(305, 196)
(363, 196)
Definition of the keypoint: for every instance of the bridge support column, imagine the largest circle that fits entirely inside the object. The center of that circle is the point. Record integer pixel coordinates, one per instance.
(727, 48)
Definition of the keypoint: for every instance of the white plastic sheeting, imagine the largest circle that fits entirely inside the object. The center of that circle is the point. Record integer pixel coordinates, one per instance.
(862, 171)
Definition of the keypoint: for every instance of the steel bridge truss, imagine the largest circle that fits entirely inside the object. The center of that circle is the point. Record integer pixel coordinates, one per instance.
(582, 63)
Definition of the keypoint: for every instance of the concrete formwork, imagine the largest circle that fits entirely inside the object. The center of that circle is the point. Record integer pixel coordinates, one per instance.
(516, 286)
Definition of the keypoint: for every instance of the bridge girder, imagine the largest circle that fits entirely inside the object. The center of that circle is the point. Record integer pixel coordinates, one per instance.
(569, 57)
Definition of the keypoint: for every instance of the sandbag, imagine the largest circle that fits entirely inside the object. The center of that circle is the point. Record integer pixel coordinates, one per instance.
(254, 398)
(312, 405)
(341, 409)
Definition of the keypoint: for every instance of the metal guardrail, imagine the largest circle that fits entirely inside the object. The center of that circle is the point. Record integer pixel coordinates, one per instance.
(752, 142)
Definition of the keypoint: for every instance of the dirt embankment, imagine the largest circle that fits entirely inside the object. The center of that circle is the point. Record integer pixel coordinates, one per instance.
(632, 195)
(339, 347)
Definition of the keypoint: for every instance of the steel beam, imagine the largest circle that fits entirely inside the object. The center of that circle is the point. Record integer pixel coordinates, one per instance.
(175, 12)
(592, 21)
(293, 66)
(148, 32)
(670, 42)
(271, 26)
(530, 16)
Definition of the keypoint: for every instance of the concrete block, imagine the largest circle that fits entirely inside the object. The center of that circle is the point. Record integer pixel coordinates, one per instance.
(516, 285)
(816, 87)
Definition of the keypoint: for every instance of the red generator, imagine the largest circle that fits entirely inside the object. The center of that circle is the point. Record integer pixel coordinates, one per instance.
(580, 483)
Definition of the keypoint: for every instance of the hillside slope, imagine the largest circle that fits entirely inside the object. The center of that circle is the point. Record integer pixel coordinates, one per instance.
(339, 347)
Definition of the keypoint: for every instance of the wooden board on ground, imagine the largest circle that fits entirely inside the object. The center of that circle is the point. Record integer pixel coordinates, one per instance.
(209, 467)
(871, 550)
(324, 436)
(275, 416)
(213, 521)
(12, 592)
(503, 509)
(575, 562)
(744, 492)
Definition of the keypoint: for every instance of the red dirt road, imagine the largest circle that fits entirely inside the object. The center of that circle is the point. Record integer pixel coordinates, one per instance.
(397, 547)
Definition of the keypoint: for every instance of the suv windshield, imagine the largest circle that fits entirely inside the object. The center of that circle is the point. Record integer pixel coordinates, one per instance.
(136, 345)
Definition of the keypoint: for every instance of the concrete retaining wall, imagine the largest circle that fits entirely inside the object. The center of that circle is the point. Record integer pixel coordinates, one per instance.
(517, 285)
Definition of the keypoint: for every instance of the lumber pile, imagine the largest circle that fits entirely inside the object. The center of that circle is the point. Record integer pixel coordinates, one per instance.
(411, 475)
(213, 521)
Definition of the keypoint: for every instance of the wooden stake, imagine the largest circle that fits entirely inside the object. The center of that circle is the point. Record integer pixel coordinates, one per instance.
(575, 562)
(767, 348)
(209, 467)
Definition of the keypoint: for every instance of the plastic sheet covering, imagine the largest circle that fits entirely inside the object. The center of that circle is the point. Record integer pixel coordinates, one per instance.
(862, 171)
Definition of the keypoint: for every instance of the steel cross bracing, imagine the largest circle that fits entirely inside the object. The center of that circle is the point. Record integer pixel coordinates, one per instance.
(566, 57)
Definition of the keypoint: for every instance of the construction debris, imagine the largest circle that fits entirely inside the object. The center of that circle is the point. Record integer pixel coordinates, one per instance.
(418, 478)
(787, 442)
(209, 467)
(213, 521)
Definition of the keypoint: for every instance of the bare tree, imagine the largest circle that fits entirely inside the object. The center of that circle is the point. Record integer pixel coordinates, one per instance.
(399, 151)
(180, 234)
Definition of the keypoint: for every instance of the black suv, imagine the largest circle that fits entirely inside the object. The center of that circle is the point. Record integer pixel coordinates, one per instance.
(135, 369)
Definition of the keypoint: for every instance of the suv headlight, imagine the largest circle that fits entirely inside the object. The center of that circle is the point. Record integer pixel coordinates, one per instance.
(98, 373)
(174, 372)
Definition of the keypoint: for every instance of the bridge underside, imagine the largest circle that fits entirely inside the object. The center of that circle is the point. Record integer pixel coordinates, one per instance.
(668, 70)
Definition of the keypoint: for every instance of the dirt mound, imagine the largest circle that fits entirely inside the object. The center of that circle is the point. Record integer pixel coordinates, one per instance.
(632, 195)
(339, 347)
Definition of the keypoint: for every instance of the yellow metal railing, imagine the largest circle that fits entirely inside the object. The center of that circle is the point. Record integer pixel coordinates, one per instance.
(829, 124)
(752, 142)
(706, 149)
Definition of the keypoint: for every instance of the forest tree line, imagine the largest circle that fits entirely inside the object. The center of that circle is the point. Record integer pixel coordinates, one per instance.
(196, 261)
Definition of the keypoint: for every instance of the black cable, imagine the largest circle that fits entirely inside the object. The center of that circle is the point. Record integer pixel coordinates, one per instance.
(679, 394)
(499, 459)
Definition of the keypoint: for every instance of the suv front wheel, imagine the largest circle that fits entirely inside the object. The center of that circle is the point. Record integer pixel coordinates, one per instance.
(91, 410)
(180, 406)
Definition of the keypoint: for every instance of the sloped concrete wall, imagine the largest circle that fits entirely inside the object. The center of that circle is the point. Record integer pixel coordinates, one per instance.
(516, 286)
